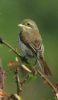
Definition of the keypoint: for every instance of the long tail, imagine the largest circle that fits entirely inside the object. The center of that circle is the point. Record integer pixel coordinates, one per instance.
(44, 64)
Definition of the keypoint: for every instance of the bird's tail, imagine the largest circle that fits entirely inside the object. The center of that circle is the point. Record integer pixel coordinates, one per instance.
(45, 66)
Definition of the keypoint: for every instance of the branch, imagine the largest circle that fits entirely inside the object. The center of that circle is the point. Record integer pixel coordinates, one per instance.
(14, 97)
(18, 84)
(11, 47)
(37, 71)
(33, 70)
(47, 80)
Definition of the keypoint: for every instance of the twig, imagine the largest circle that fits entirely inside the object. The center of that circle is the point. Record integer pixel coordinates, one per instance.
(24, 80)
(9, 46)
(37, 70)
(18, 84)
(14, 97)
(2, 75)
(47, 80)
(14, 50)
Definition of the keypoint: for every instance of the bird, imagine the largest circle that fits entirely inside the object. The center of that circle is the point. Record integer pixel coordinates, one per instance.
(31, 43)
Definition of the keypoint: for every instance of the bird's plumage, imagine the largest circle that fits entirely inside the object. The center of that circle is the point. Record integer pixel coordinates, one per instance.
(31, 42)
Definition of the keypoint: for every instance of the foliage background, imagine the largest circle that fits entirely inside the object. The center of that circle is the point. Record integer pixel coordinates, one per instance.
(45, 13)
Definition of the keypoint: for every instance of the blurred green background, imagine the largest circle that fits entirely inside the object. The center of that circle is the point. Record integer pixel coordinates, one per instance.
(45, 14)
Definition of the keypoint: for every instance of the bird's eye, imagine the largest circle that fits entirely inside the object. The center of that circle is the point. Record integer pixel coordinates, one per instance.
(28, 24)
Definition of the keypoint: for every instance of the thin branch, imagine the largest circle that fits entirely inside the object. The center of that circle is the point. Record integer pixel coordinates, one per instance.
(49, 83)
(24, 80)
(11, 47)
(18, 84)
(36, 70)
(47, 80)
(2, 76)
(14, 97)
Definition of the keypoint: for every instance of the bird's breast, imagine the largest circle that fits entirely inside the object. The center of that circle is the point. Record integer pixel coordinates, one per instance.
(24, 49)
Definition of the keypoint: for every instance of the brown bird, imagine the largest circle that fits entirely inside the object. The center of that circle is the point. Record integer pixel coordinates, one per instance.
(31, 44)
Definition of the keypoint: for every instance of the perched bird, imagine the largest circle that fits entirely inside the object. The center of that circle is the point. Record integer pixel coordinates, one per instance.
(31, 44)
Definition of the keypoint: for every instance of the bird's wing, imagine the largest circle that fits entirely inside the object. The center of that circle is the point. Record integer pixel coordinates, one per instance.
(32, 41)
(27, 42)
(37, 47)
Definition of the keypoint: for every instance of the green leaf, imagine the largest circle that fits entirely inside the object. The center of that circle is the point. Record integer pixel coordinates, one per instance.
(32, 77)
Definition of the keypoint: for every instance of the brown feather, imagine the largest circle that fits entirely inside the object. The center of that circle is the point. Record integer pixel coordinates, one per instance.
(44, 64)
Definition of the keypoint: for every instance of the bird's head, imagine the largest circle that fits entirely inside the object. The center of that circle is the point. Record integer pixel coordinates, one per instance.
(27, 25)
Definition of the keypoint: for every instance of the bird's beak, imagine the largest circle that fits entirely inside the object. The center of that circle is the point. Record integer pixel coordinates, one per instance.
(23, 26)
(20, 25)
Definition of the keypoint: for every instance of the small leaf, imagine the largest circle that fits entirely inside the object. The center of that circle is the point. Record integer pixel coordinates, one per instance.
(12, 63)
(32, 77)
